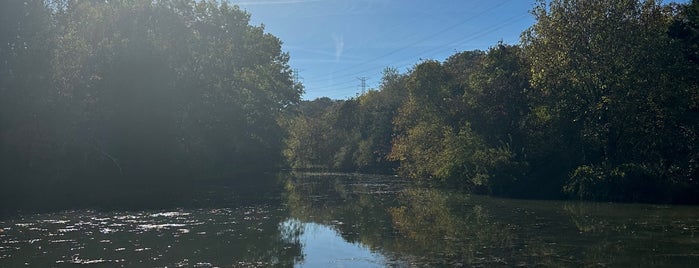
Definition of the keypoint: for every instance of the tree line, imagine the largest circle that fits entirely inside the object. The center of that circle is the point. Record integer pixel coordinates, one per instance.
(599, 101)
(97, 97)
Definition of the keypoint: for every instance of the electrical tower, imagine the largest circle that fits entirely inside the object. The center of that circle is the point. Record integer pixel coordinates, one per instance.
(363, 84)
(296, 76)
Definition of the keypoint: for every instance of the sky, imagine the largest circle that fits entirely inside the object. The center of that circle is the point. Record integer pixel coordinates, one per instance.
(333, 44)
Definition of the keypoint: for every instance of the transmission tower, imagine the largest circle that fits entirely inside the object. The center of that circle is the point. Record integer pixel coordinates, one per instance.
(296, 76)
(363, 84)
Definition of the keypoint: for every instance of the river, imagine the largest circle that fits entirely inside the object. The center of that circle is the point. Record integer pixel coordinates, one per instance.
(351, 220)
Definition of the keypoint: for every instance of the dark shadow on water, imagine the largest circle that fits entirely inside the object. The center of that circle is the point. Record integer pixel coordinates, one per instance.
(235, 223)
(145, 194)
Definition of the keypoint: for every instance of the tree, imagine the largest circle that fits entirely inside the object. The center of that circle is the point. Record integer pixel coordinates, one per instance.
(420, 121)
(353, 134)
(107, 93)
(607, 77)
(377, 111)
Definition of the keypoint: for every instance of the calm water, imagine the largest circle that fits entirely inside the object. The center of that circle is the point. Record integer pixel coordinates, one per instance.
(342, 220)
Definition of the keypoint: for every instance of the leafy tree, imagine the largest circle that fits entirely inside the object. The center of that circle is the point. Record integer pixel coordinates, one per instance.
(611, 83)
(599, 101)
(497, 95)
(353, 134)
(377, 111)
(419, 123)
(98, 94)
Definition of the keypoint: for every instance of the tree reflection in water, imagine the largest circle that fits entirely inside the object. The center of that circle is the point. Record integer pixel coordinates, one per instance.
(446, 229)
(432, 227)
(357, 220)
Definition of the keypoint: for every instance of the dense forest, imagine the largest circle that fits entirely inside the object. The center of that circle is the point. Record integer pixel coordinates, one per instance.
(599, 101)
(106, 98)
(110, 99)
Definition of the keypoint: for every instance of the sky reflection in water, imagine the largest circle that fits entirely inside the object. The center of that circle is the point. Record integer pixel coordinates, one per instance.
(323, 246)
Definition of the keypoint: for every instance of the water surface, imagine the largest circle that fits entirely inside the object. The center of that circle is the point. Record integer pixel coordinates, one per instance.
(350, 220)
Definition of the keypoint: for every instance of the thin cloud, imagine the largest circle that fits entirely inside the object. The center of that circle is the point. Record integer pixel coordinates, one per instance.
(339, 47)
(319, 53)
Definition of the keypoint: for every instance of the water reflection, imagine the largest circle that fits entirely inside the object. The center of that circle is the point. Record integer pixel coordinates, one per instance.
(346, 220)
(323, 247)
(428, 227)
(356, 205)
(632, 234)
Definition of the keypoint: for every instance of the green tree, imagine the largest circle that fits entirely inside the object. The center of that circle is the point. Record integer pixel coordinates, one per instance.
(377, 111)
(420, 121)
(103, 93)
(610, 83)
(353, 134)
(497, 96)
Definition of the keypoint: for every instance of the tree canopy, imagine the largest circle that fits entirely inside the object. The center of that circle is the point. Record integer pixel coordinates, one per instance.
(103, 93)
(599, 101)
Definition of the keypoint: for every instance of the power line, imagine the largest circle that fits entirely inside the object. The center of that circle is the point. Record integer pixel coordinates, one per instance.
(460, 42)
(501, 3)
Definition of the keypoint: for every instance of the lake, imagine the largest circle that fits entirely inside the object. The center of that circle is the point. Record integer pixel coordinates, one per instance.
(352, 220)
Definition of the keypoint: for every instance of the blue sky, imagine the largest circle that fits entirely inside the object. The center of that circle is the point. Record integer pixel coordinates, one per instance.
(334, 42)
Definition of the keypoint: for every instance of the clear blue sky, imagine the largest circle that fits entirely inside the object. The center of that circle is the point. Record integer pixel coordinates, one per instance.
(333, 42)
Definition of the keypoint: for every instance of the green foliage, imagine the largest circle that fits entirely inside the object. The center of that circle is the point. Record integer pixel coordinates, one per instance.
(617, 89)
(434, 133)
(497, 95)
(626, 183)
(347, 135)
(685, 28)
(599, 101)
(321, 137)
(104, 92)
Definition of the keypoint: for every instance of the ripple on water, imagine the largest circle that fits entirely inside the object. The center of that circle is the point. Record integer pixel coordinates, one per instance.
(75, 259)
(55, 221)
(62, 241)
(107, 230)
(158, 227)
(170, 214)
(126, 217)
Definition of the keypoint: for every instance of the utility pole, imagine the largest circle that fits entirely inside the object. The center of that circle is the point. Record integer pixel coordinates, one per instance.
(363, 85)
(296, 76)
